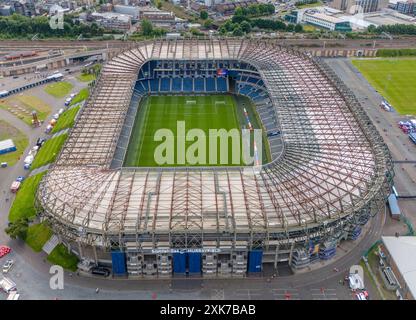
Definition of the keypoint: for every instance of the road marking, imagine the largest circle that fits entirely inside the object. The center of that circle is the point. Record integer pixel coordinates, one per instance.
(285, 294)
(324, 294)
(217, 294)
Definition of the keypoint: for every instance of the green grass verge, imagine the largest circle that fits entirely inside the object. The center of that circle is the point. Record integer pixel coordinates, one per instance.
(23, 204)
(396, 52)
(22, 106)
(394, 79)
(63, 258)
(7, 131)
(86, 77)
(49, 151)
(198, 112)
(81, 96)
(66, 120)
(37, 235)
(59, 89)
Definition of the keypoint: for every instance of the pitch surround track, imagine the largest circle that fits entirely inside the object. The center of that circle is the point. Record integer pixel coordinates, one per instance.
(332, 165)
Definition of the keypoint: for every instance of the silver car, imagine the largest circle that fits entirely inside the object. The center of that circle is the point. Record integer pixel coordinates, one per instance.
(7, 266)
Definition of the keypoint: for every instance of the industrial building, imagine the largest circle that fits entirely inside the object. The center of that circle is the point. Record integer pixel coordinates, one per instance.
(400, 254)
(330, 170)
(7, 146)
(322, 17)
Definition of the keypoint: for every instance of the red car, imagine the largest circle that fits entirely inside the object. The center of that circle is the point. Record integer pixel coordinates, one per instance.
(4, 250)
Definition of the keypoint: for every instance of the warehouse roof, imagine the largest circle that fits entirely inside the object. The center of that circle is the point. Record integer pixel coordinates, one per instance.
(5, 144)
(403, 252)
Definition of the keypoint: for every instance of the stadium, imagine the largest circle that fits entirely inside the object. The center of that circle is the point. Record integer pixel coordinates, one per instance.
(326, 170)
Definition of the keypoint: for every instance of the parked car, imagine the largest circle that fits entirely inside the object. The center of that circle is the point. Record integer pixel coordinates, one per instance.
(68, 101)
(362, 295)
(48, 128)
(4, 164)
(8, 265)
(15, 186)
(101, 271)
(40, 142)
(20, 179)
(61, 111)
(56, 116)
(4, 250)
(72, 95)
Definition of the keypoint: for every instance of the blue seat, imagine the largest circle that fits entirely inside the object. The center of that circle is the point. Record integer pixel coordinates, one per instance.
(199, 84)
(154, 85)
(187, 85)
(210, 84)
(165, 84)
(177, 84)
(221, 84)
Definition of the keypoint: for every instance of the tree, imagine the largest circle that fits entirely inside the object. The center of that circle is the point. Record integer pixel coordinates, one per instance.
(18, 229)
(146, 27)
(371, 28)
(237, 32)
(245, 26)
(222, 30)
(298, 28)
(290, 27)
(159, 5)
(203, 15)
(208, 23)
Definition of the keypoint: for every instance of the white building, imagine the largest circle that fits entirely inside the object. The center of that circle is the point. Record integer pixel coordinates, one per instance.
(133, 12)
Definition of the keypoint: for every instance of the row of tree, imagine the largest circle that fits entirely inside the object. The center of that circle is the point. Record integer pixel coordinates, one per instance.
(239, 26)
(255, 10)
(17, 26)
(393, 29)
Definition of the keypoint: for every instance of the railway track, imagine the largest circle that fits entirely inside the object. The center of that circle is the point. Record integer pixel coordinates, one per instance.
(404, 42)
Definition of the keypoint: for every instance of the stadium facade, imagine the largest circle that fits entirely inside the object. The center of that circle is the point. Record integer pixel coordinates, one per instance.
(330, 170)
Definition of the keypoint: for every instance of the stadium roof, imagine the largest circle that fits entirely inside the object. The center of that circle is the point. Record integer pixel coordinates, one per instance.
(403, 252)
(333, 163)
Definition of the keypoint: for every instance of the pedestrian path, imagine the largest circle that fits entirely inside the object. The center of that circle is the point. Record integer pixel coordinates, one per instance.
(39, 170)
(50, 244)
(59, 133)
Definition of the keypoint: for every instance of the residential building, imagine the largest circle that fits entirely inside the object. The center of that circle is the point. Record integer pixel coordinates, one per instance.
(405, 7)
(359, 6)
(111, 20)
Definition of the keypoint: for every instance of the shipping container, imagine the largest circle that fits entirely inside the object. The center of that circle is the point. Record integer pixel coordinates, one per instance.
(118, 263)
(179, 263)
(194, 262)
(255, 260)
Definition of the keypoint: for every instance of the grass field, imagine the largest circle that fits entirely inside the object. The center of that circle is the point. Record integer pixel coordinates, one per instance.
(23, 204)
(59, 89)
(156, 112)
(394, 79)
(66, 120)
(198, 112)
(81, 96)
(86, 77)
(23, 105)
(62, 257)
(7, 131)
(49, 151)
(37, 235)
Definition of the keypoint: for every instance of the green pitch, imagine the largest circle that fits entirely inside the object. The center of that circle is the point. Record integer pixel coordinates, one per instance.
(394, 79)
(157, 112)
